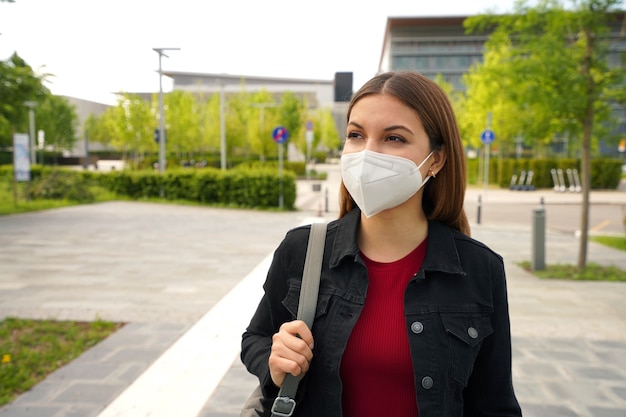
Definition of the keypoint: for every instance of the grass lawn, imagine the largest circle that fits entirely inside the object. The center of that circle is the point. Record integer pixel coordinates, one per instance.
(617, 242)
(32, 349)
(593, 272)
(11, 202)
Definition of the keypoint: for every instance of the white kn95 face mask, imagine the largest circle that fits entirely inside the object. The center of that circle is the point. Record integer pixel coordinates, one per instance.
(377, 181)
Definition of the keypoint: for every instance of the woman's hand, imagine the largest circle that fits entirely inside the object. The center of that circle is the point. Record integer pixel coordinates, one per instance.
(292, 351)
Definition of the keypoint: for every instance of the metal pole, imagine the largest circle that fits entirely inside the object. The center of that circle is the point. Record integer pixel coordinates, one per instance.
(161, 110)
(486, 158)
(161, 119)
(86, 150)
(222, 129)
(486, 167)
(280, 175)
(31, 123)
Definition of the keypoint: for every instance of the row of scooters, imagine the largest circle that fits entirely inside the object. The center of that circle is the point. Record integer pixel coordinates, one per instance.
(524, 182)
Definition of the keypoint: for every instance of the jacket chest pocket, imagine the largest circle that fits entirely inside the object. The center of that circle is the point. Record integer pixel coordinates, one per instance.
(465, 334)
(292, 299)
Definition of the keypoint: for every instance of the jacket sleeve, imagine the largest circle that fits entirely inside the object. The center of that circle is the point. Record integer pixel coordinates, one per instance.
(490, 389)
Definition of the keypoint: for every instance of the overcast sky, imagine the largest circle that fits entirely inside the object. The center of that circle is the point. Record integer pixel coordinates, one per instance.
(94, 48)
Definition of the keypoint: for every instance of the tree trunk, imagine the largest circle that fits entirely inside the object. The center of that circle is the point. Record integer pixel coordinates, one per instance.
(586, 150)
(586, 187)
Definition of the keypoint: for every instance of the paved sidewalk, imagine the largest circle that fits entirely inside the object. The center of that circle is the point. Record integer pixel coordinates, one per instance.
(185, 280)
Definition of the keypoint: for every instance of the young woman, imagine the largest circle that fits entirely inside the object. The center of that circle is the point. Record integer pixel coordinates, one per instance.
(412, 317)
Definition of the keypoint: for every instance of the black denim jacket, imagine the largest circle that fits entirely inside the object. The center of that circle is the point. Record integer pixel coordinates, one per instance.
(456, 312)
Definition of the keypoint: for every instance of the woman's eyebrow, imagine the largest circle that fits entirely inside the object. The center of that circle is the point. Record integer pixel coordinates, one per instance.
(396, 127)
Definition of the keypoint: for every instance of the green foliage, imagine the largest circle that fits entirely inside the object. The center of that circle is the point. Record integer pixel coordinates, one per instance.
(58, 119)
(325, 131)
(52, 114)
(245, 187)
(592, 272)
(545, 74)
(56, 184)
(616, 242)
(605, 173)
(18, 84)
(183, 122)
(30, 350)
(240, 187)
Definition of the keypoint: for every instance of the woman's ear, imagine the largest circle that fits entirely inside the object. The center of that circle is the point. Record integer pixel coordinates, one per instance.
(438, 161)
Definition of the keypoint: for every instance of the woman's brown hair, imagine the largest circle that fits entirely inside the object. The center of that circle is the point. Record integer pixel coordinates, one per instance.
(444, 195)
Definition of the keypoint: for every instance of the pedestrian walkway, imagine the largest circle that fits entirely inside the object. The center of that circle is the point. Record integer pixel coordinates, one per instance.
(186, 281)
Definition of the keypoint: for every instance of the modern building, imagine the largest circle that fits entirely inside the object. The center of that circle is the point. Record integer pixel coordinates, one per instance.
(431, 45)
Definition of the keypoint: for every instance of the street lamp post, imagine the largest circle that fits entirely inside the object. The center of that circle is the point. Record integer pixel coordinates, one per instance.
(161, 112)
(31, 122)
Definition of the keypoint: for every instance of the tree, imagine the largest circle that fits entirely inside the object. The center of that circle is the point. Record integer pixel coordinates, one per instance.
(292, 115)
(182, 118)
(18, 84)
(128, 126)
(58, 119)
(210, 123)
(325, 130)
(557, 68)
(484, 99)
(264, 106)
(239, 115)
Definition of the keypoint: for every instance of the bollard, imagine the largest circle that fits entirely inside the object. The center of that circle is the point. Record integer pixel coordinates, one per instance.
(539, 239)
(326, 200)
(478, 210)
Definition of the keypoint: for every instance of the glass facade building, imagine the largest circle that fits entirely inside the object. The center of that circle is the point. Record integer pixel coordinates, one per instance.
(431, 46)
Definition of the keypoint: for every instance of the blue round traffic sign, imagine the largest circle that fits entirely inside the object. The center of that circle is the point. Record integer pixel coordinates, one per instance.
(487, 136)
(280, 134)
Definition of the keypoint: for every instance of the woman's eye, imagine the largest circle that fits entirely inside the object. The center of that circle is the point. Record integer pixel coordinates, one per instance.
(393, 138)
(353, 135)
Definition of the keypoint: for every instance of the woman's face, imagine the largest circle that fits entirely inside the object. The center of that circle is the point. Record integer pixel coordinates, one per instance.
(382, 123)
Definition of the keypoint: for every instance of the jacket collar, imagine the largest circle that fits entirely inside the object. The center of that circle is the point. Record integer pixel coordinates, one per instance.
(441, 255)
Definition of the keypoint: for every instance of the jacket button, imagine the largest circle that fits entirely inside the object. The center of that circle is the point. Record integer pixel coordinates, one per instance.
(417, 327)
(472, 332)
(427, 382)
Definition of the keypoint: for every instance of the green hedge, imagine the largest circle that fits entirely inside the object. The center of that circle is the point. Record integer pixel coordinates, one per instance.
(605, 173)
(239, 187)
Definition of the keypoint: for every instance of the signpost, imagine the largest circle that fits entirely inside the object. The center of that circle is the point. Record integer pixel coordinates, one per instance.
(487, 137)
(280, 134)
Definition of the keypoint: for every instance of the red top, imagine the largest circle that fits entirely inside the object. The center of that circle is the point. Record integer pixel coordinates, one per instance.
(376, 367)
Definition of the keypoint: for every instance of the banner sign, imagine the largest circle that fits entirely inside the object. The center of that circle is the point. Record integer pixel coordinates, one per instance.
(21, 157)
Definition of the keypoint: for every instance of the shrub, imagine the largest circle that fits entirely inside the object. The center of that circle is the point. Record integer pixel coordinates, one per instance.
(59, 185)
